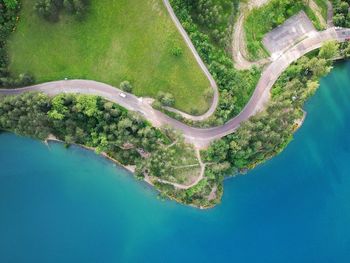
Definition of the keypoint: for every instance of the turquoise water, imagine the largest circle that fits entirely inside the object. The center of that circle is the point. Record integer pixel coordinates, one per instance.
(59, 205)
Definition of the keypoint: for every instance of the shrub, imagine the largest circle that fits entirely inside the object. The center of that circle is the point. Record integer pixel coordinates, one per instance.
(176, 51)
(46, 9)
(166, 99)
(126, 86)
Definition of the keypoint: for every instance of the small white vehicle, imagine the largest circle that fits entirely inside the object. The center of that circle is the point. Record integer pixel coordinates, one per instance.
(123, 95)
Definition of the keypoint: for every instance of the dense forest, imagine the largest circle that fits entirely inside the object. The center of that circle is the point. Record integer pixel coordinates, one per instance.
(216, 18)
(341, 13)
(85, 120)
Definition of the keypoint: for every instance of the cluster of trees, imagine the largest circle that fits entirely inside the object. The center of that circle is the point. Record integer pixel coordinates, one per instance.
(50, 9)
(95, 122)
(86, 120)
(107, 127)
(282, 10)
(268, 133)
(216, 17)
(8, 19)
(345, 50)
(341, 13)
(235, 86)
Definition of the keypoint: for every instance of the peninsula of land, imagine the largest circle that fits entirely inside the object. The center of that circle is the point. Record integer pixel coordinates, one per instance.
(248, 107)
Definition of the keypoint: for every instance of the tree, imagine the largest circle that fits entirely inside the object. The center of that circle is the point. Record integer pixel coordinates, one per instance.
(316, 67)
(11, 4)
(58, 110)
(329, 50)
(176, 51)
(79, 8)
(68, 6)
(46, 9)
(339, 20)
(166, 99)
(25, 79)
(126, 86)
(343, 7)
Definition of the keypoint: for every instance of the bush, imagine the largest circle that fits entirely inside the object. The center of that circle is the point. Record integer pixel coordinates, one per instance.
(176, 51)
(47, 9)
(126, 86)
(166, 99)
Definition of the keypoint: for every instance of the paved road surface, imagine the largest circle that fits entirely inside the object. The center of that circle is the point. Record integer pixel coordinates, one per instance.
(199, 137)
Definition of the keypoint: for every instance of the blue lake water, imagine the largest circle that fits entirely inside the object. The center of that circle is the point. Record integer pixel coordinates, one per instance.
(59, 205)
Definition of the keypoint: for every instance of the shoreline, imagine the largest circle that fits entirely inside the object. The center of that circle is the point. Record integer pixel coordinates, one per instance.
(129, 168)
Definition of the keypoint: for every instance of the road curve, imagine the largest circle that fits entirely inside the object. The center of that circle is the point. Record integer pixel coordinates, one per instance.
(202, 65)
(197, 136)
(239, 52)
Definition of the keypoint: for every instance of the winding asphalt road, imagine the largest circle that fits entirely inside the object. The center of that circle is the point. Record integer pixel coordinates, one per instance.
(199, 137)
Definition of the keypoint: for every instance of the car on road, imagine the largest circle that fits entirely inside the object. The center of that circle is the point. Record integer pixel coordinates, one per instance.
(123, 95)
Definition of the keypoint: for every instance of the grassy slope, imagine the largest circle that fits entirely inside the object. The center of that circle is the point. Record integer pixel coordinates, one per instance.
(119, 40)
(322, 4)
(260, 21)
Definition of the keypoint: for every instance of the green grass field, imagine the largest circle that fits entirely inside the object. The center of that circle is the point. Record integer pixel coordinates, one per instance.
(119, 40)
(262, 20)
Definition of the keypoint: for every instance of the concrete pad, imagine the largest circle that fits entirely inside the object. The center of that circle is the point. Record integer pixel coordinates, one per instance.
(288, 34)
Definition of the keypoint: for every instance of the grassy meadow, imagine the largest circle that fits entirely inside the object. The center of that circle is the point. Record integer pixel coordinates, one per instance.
(118, 40)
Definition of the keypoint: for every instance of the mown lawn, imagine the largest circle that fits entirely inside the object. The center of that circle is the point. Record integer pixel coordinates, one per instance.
(119, 40)
(262, 20)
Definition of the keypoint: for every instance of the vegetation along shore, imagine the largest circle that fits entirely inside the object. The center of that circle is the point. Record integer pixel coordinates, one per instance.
(160, 154)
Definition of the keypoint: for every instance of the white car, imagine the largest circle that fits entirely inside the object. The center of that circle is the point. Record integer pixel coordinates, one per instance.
(123, 95)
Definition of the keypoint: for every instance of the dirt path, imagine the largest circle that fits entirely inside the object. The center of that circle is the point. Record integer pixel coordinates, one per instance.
(330, 14)
(318, 13)
(239, 49)
(182, 186)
